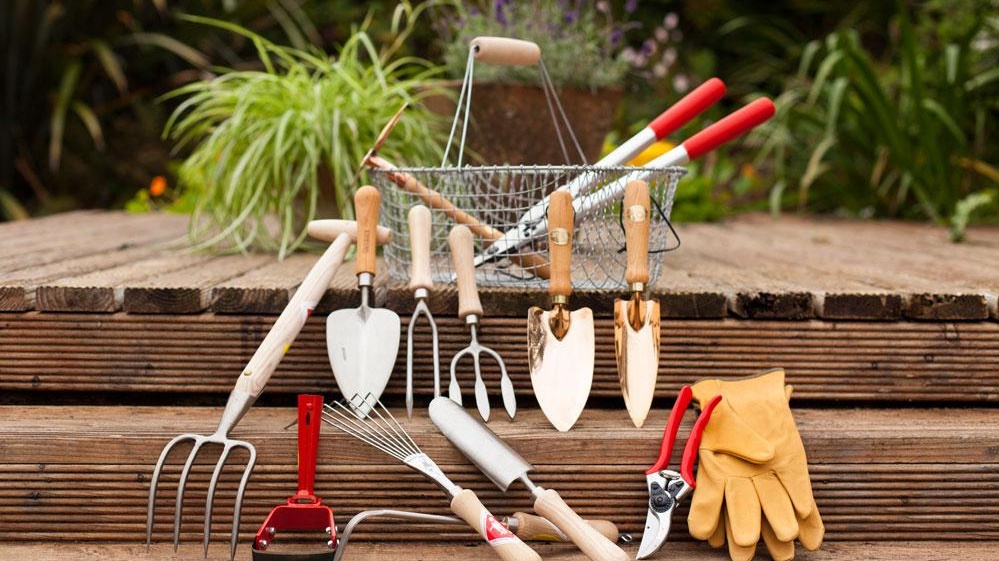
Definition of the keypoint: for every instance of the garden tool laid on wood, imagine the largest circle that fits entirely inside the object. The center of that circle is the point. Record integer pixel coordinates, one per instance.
(525, 526)
(713, 136)
(421, 282)
(378, 428)
(327, 229)
(502, 465)
(248, 387)
(667, 488)
(668, 122)
(470, 309)
(363, 343)
(636, 321)
(560, 343)
(304, 511)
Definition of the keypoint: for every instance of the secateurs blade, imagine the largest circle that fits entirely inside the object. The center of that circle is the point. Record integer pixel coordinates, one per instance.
(667, 487)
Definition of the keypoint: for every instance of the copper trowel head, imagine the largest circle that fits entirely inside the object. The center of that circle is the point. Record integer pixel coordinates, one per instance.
(561, 370)
(637, 357)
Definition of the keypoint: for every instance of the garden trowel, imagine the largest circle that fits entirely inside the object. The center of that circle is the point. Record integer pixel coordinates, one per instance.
(636, 321)
(560, 343)
(363, 343)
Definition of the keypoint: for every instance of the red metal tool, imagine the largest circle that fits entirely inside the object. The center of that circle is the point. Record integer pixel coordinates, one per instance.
(667, 487)
(304, 512)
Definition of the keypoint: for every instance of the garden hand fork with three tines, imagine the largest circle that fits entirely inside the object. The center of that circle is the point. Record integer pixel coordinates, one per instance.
(249, 386)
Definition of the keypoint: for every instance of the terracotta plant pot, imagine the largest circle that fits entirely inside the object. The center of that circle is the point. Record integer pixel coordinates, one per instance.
(511, 123)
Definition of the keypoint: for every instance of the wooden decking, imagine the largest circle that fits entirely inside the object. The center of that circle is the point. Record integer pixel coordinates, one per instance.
(114, 338)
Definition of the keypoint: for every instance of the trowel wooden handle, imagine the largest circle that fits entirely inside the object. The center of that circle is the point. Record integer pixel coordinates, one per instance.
(270, 352)
(591, 542)
(535, 528)
(636, 231)
(419, 248)
(505, 51)
(560, 224)
(367, 204)
(328, 229)
(508, 546)
(435, 200)
(462, 243)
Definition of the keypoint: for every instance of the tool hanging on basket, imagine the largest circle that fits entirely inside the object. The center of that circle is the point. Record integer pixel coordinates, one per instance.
(367, 420)
(470, 310)
(636, 321)
(560, 343)
(304, 511)
(502, 465)
(248, 387)
(363, 342)
(421, 283)
(728, 128)
(667, 488)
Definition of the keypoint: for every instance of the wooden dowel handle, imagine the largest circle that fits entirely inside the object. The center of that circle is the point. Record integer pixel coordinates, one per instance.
(507, 545)
(419, 248)
(328, 229)
(367, 204)
(270, 352)
(591, 542)
(462, 245)
(505, 51)
(560, 225)
(435, 200)
(535, 528)
(636, 231)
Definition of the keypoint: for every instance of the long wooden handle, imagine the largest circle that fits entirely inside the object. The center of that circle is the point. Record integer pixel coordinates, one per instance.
(328, 229)
(505, 51)
(507, 545)
(367, 204)
(419, 248)
(560, 224)
(591, 542)
(462, 258)
(270, 352)
(435, 200)
(535, 528)
(636, 231)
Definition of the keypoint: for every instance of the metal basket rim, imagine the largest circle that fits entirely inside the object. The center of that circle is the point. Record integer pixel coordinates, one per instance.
(681, 170)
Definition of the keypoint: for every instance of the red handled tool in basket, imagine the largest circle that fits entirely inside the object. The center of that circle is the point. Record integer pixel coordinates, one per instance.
(667, 487)
(304, 511)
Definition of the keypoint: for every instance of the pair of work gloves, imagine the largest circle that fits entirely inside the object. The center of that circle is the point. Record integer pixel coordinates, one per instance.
(752, 478)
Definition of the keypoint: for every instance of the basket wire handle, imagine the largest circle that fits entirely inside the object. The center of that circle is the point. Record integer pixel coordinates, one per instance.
(463, 108)
(664, 216)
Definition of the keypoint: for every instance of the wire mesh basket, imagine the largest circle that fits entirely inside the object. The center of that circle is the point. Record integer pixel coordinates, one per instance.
(497, 196)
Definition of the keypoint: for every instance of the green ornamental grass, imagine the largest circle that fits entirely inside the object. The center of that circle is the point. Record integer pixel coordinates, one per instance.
(264, 142)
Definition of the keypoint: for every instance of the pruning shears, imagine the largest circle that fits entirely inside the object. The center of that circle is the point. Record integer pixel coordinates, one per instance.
(667, 488)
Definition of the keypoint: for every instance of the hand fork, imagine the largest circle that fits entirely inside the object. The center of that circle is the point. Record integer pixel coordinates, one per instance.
(421, 283)
(470, 309)
(249, 386)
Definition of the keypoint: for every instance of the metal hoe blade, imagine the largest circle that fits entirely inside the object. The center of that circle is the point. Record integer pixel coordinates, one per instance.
(561, 370)
(237, 406)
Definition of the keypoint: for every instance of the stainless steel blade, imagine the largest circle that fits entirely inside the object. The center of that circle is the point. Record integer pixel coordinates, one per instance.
(637, 358)
(362, 344)
(655, 534)
(561, 371)
(500, 463)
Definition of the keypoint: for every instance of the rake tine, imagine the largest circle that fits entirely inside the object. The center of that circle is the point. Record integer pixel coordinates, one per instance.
(454, 391)
(360, 431)
(155, 482)
(239, 494)
(209, 501)
(198, 443)
(404, 439)
(481, 397)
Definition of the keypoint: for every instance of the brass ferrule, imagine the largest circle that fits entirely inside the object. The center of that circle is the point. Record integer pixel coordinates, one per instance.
(559, 322)
(560, 299)
(636, 311)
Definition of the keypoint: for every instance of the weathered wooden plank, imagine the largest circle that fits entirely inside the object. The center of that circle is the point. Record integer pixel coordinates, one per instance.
(186, 290)
(424, 551)
(947, 362)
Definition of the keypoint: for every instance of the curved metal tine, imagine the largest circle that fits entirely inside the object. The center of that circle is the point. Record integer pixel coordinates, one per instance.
(504, 380)
(409, 361)
(229, 445)
(437, 358)
(239, 493)
(454, 391)
(199, 441)
(155, 482)
(481, 395)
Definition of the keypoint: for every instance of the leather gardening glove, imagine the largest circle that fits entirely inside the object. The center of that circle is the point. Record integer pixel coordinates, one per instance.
(752, 480)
